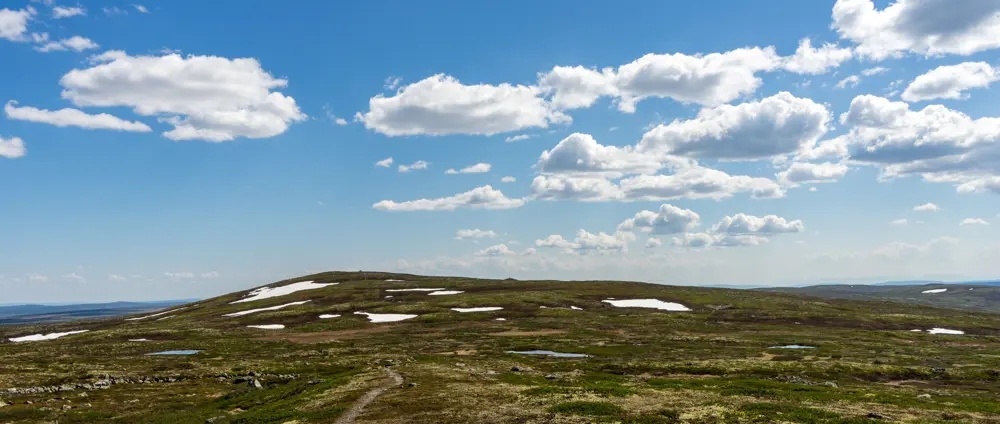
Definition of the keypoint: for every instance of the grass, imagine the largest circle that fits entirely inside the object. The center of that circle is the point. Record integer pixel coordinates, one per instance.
(711, 365)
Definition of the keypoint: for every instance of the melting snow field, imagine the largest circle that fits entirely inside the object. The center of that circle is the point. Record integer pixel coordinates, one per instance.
(269, 292)
(328, 316)
(934, 291)
(154, 315)
(272, 308)
(385, 317)
(576, 308)
(42, 337)
(138, 340)
(944, 331)
(792, 347)
(174, 352)
(268, 326)
(648, 303)
(414, 290)
(445, 292)
(482, 309)
(501, 319)
(549, 353)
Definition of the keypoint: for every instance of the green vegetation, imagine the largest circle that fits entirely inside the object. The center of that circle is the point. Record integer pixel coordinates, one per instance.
(715, 364)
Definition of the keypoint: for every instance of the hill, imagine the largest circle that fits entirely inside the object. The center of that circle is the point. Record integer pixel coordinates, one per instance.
(958, 296)
(368, 348)
(28, 314)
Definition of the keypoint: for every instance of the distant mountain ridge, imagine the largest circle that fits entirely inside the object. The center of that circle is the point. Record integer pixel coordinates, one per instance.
(34, 313)
(975, 297)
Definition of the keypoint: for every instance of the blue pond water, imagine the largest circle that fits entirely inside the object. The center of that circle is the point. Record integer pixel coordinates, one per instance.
(175, 352)
(793, 347)
(550, 353)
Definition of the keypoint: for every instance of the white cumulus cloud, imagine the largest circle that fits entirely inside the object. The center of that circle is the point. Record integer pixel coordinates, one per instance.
(926, 207)
(385, 163)
(441, 104)
(68, 117)
(816, 60)
(709, 79)
(669, 219)
(478, 168)
(12, 148)
(203, 97)
(925, 27)
(485, 197)
(951, 82)
(777, 125)
(474, 234)
(75, 43)
(974, 221)
(60, 12)
(415, 166)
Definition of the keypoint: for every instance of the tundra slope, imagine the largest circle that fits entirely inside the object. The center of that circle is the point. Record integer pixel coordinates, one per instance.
(712, 364)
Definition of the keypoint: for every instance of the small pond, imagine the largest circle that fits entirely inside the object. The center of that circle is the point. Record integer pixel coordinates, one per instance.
(174, 352)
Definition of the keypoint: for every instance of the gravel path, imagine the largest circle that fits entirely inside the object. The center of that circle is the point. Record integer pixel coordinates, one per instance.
(395, 380)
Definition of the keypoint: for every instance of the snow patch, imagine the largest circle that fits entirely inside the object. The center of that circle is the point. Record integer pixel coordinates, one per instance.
(328, 316)
(934, 291)
(268, 326)
(272, 308)
(269, 292)
(42, 337)
(386, 317)
(394, 281)
(139, 340)
(576, 308)
(445, 292)
(500, 319)
(944, 331)
(414, 290)
(648, 303)
(168, 316)
(481, 309)
(155, 315)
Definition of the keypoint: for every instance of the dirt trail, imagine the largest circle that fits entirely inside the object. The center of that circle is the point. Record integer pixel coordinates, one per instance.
(355, 410)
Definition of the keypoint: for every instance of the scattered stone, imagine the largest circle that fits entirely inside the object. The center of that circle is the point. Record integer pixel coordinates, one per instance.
(28, 402)
(317, 381)
(252, 373)
(551, 377)
(82, 394)
(2, 404)
(877, 416)
(66, 407)
(214, 419)
(491, 372)
(924, 396)
(255, 384)
(411, 385)
(830, 384)
(520, 369)
(85, 405)
(459, 364)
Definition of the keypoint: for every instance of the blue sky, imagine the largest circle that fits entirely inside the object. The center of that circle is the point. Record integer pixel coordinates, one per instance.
(187, 149)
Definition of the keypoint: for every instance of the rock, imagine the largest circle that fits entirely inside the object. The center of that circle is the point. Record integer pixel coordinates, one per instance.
(28, 402)
(252, 373)
(214, 419)
(82, 394)
(551, 377)
(66, 407)
(317, 381)
(411, 385)
(255, 384)
(491, 372)
(876, 416)
(3, 404)
(924, 396)
(85, 405)
(459, 364)
(830, 384)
